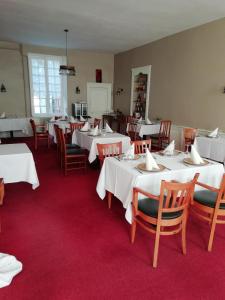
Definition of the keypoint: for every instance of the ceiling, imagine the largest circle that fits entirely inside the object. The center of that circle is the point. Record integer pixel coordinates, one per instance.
(106, 25)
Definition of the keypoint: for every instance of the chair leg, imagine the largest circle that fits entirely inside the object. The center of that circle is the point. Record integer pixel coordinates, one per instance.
(156, 247)
(109, 196)
(212, 232)
(133, 230)
(183, 236)
(35, 143)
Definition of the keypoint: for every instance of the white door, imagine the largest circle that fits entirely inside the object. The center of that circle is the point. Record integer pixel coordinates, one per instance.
(99, 99)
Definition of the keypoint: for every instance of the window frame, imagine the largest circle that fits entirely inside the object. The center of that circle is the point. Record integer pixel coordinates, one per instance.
(63, 82)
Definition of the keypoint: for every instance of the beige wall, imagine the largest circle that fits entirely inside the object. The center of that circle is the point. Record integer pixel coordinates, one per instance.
(188, 76)
(16, 76)
(11, 75)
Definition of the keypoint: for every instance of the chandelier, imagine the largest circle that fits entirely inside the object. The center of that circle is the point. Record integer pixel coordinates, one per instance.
(66, 69)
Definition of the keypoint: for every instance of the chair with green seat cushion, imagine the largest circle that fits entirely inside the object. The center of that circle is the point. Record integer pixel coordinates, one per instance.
(165, 214)
(69, 146)
(75, 151)
(209, 205)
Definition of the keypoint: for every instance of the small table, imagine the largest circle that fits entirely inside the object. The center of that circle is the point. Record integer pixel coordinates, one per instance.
(85, 140)
(119, 177)
(147, 129)
(15, 124)
(17, 164)
(213, 148)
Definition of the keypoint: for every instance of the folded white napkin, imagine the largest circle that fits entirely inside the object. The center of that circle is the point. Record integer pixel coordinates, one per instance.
(52, 119)
(169, 150)
(150, 163)
(148, 122)
(130, 152)
(9, 267)
(195, 157)
(85, 127)
(140, 120)
(72, 120)
(107, 128)
(95, 130)
(82, 119)
(2, 116)
(214, 133)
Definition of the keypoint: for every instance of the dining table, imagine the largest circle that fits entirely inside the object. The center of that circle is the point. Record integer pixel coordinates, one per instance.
(88, 141)
(144, 129)
(120, 176)
(17, 164)
(16, 124)
(213, 148)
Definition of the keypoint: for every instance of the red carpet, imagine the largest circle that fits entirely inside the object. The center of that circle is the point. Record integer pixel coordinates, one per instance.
(73, 247)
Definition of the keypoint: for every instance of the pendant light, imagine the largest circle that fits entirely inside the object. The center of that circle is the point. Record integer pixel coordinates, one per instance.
(66, 69)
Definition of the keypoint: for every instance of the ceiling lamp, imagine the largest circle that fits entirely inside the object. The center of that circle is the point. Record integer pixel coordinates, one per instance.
(66, 69)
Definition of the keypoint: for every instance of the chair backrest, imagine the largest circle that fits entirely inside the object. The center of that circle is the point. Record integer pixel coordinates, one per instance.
(74, 126)
(221, 194)
(62, 141)
(130, 119)
(132, 131)
(97, 122)
(189, 135)
(165, 126)
(175, 196)
(141, 146)
(107, 150)
(33, 126)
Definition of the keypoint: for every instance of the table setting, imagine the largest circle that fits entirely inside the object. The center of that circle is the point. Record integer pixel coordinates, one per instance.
(88, 138)
(119, 175)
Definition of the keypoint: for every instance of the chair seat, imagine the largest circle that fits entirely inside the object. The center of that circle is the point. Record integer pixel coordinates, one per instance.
(75, 151)
(150, 207)
(207, 198)
(69, 146)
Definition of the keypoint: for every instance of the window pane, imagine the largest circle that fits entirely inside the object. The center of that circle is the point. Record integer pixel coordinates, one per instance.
(48, 94)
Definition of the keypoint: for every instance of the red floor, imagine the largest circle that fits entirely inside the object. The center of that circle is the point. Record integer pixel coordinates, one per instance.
(73, 247)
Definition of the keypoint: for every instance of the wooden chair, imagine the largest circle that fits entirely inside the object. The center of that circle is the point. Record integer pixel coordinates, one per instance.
(162, 139)
(132, 131)
(73, 126)
(165, 214)
(108, 150)
(97, 122)
(189, 137)
(71, 158)
(39, 133)
(141, 146)
(2, 191)
(209, 205)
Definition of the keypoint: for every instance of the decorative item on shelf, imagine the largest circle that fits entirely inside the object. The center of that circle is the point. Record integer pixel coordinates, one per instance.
(119, 91)
(98, 75)
(3, 88)
(77, 91)
(66, 69)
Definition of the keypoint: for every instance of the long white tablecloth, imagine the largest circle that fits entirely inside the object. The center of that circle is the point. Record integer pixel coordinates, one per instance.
(213, 148)
(119, 177)
(144, 129)
(16, 124)
(17, 164)
(84, 140)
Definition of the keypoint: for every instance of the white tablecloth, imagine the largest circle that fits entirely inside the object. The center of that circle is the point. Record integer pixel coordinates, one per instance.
(119, 177)
(84, 140)
(17, 124)
(213, 148)
(144, 129)
(17, 164)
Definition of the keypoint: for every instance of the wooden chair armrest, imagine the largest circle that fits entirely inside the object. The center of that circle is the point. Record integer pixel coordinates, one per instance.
(208, 187)
(149, 195)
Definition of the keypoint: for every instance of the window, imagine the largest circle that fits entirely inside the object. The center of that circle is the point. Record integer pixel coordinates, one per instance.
(48, 89)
